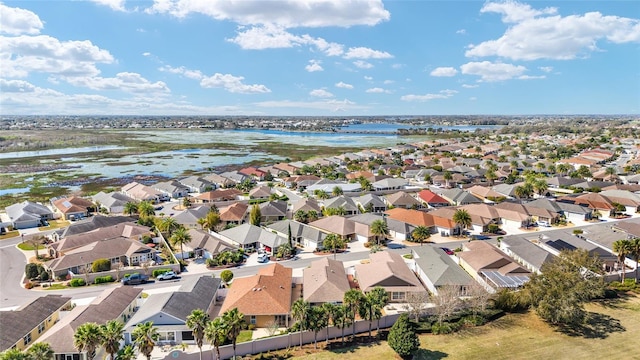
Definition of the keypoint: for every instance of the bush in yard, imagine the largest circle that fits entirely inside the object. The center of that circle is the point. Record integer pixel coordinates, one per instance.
(403, 338)
(157, 272)
(32, 271)
(77, 282)
(103, 279)
(444, 328)
(226, 276)
(44, 275)
(101, 265)
(29, 285)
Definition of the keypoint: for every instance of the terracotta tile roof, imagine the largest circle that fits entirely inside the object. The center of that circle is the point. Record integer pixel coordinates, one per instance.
(413, 217)
(266, 293)
(432, 198)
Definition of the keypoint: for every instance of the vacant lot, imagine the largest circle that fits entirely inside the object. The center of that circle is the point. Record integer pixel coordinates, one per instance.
(613, 332)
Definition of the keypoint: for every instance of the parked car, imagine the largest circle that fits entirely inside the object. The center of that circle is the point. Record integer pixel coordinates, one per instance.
(263, 258)
(167, 276)
(448, 251)
(135, 279)
(544, 224)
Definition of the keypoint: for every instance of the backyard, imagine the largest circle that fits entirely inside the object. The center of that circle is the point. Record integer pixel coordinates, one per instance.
(612, 331)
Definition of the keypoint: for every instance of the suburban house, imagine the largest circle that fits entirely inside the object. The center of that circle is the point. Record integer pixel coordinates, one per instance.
(432, 199)
(169, 310)
(140, 192)
(325, 281)
(388, 270)
(342, 202)
(197, 184)
(413, 217)
(328, 186)
(459, 197)
(260, 192)
(24, 326)
(113, 202)
(264, 298)
(189, 218)
(250, 237)
(72, 208)
(254, 172)
(403, 200)
(389, 184)
(234, 214)
(398, 230)
(28, 214)
(219, 181)
(338, 225)
(371, 203)
(301, 234)
(308, 204)
(272, 211)
(492, 267)
(116, 303)
(234, 176)
(205, 245)
(217, 195)
(631, 201)
(436, 269)
(172, 188)
(525, 252)
(486, 194)
(96, 222)
(301, 181)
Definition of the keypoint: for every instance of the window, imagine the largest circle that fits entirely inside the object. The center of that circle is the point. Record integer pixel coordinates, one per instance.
(27, 339)
(41, 328)
(167, 336)
(252, 319)
(398, 296)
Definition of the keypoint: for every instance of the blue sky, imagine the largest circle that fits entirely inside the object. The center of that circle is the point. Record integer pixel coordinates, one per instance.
(319, 57)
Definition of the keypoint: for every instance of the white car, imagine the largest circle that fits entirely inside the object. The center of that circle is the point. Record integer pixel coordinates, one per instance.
(544, 224)
(167, 276)
(263, 258)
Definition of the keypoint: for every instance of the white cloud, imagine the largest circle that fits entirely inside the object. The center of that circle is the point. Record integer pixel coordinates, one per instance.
(467, 86)
(16, 21)
(344, 85)
(366, 53)
(387, 82)
(330, 105)
(285, 13)
(125, 81)
(314, 65)
(490, 72)
(117, 5)
(473, 98)
(397, 66)
(461, 31)
(146, 54)
(540, 34)
(444, 72)
(376, 90)
(546, 69)
(277, 37)
(368, 78)
(232, 84)
(188, 73)
(20, 86)
(362, 64)
(443, 94)
(531, 77)
(25, 54)
(321, 93)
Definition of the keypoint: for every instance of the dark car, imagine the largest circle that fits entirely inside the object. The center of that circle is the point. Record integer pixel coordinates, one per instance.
(448, 251)
(135, 279)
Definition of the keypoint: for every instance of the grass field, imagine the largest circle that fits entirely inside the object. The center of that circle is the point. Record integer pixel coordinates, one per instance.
(613, 332)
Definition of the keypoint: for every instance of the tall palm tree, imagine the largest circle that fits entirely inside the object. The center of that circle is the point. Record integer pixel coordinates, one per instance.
(337, 191)
(234, 321)
(212, 220)
(635, 252)
(180, 237)
(341, 318)
(145, 336)
(300, 311)
(87, 338)
(330, 312)
(421, 233)
(379, 228)
(216, 333)
(333, 242)
(447, 177)
(197, 322)
(146, 209)
(365, 310)
(128, 352)
(540, 186)
(130, 208)
(562, 168)
(14, 354)
(352, 299)
(622, 248)
(462, 218)
(40, 351)
(491, 176)
(317, 321)
(379, 298)
(112, 335)
(167, 225)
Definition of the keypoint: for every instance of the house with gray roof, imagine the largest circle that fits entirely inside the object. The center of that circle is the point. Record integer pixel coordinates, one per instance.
(28, 214)
(205, 245)
(325, 281)
(525, 252)
(197, 184)
(457, 196)
(403, 200)
(249, 237)
(169, 311)
(301, 234)
(273, 211)
(388, 270)
(389, 184)
(345, 202)
(95, 222)
(436, 269)
(172, 188)
(398, 230)
(234, 176)
(189, 218)
(113, 202)
(371, 203)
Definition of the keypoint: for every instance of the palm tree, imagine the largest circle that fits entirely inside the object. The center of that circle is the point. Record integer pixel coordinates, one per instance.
(201, 222)
(622, 248)
(197, 322)
(40, 351)
(180, 237)
(146, 209)
(186, 202)
(491, 176)
(130, 208)
(562, 168)
(379, 228)
(167, 225)
(421, 233)
(212, 220)
(317, 321)
(145, 336)
(300, 311)
(301, 216)
(540, 186)
(126, 353)
(333, 242)
(87, 338)
(112, 335)
(255, 215)
(234, 321)
(14, 354)
(341, 318)
(379, 298)
(337, 191)
(330, 312)
(462, 218)
(321, 194)
(635, 252)
(447, 177)
(216, 333)
(611, 172)
(352, 299)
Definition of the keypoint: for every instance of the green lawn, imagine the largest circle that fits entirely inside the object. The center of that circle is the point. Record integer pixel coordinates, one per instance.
(28, 247)
(245, 335)
(613, 330)
(10, 234)
(54, 224)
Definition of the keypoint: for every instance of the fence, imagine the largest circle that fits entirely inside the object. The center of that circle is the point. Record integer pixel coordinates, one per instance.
(283, 341)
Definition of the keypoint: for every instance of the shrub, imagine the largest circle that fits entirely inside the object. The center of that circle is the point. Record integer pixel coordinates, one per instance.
(226, 276)
(444, 328)
(77, 282)
(32, 271)
(146, 239)
(211, 263)
(474, 320)
(251, 327)
(29, 285)
(101, 265)
(157, 272)
(103, 279)
(402, 337)
(44, 275)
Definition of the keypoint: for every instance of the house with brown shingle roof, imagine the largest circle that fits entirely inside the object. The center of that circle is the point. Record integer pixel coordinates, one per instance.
(403, 200)
(234, 214)
(389, 271)
(217, 195)
(413, 217)
(23, 326)
(492, 267)
(263, 298)
(72, 207)
(337, 225)
(325, 281)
